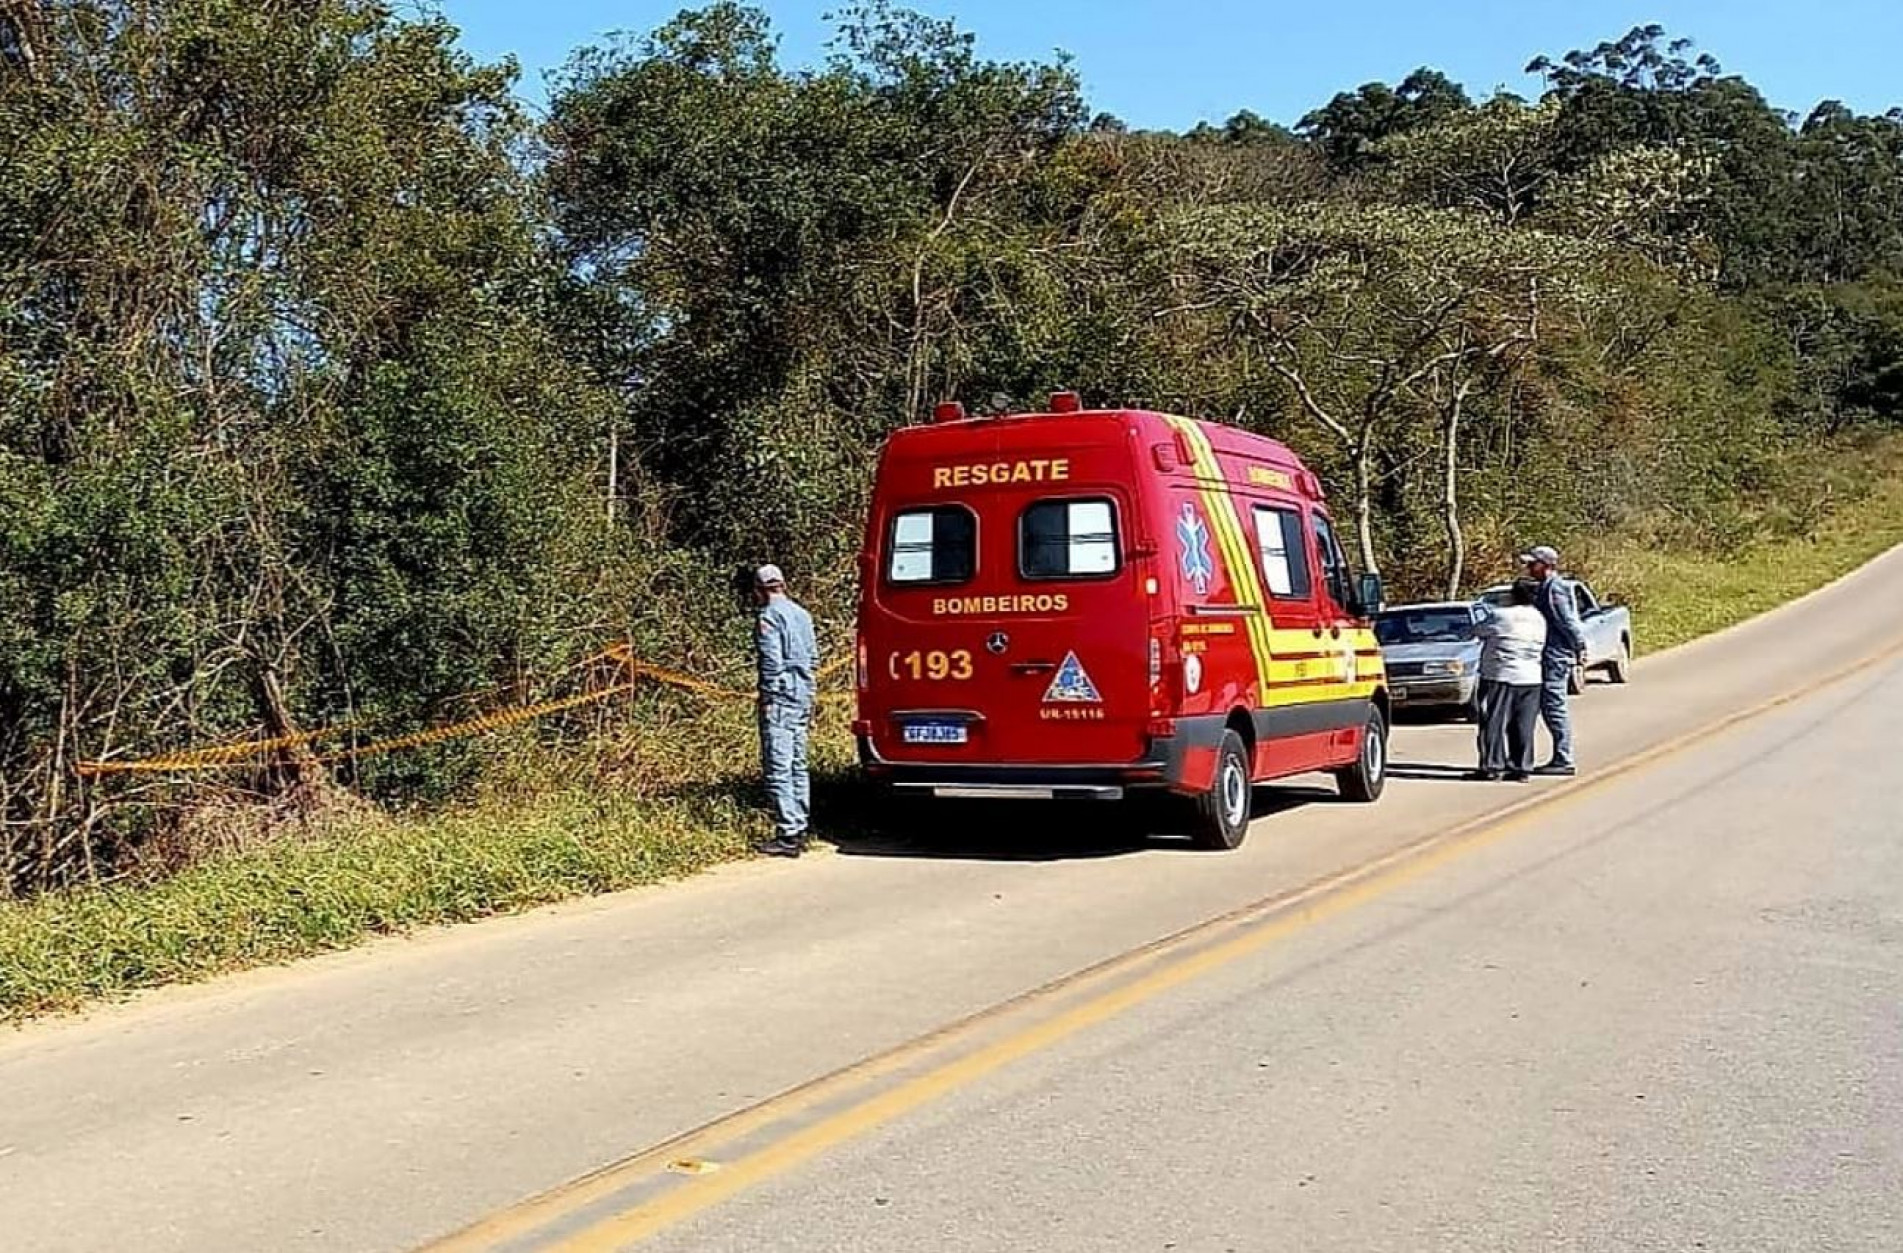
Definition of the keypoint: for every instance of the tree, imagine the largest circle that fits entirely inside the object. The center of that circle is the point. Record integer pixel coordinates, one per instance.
(1349, 128)
(704, 203)
(1849, 170)
(1367, 311)
(1642, 60)
(1497, 159)
(1249, 127)
(282, 429)
(753, 247)
(1779, 205)
(1655, 201)
(1847, 344)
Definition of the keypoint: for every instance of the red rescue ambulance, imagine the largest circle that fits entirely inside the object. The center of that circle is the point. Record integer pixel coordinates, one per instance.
(1076, 604)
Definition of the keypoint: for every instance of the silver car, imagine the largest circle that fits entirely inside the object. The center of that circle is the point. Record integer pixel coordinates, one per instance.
(1432, 655)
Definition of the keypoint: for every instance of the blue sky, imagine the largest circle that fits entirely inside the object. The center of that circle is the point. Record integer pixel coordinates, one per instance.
(1171, 64)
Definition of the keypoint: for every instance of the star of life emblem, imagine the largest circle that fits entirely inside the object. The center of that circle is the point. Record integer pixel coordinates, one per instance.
(1192, 535)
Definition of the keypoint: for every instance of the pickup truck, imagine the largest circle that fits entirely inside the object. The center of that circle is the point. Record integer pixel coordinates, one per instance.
(1608, 634)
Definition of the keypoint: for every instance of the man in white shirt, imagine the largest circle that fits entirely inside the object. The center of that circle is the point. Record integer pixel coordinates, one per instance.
(1512, 639)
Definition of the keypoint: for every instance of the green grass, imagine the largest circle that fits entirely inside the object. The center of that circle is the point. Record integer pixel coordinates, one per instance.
(670, 797)
(1678, 597)
(315, 894)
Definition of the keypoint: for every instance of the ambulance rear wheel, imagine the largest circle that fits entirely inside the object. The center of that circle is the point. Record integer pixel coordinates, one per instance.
(1222, 813)
(1368, 777)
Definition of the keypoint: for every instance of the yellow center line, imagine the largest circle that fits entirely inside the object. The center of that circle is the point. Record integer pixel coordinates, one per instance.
(1286, 914)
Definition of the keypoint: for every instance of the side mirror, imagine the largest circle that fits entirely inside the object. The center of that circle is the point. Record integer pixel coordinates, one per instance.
(1370, 599)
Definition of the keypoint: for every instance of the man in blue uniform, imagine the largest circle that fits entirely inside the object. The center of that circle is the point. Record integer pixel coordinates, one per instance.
(788, 656)
(1565, 650)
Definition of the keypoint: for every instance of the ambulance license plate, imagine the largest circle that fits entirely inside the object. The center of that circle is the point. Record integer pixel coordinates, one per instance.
(935, 733)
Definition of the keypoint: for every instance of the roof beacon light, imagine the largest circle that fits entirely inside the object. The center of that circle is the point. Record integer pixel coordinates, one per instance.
(949, 411)
(1066, 402)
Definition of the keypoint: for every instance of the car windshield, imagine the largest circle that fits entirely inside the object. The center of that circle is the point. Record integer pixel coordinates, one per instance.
(1424, 626)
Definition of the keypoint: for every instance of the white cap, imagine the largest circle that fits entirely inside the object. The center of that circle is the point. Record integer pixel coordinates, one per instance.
(769, 576)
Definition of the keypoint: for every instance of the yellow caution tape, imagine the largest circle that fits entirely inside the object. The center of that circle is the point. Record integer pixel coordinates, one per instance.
(476, 726)
(224, 756)
(213, 757)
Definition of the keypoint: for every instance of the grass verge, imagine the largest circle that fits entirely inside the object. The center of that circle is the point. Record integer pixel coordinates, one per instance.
(671, 799)
(1678, 597)
(332, 890)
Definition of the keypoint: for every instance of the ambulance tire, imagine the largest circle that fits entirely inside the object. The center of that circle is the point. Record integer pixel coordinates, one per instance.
(1222, 813)
(1368, 777)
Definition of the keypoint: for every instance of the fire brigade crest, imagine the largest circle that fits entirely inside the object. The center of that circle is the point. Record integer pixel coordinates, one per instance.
(1072, 686)
(1192, 536)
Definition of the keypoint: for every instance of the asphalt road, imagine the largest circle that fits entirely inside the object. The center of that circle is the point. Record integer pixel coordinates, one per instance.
(1656, 1009)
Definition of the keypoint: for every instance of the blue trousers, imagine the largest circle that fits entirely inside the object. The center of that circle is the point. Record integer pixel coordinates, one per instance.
(784, 729)
(1557, 673)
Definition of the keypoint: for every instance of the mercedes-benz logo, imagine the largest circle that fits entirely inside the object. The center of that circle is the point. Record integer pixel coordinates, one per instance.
(998, 642)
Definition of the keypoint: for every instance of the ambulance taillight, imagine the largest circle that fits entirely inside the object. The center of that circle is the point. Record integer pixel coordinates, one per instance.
(862, 671)
(1162, 697)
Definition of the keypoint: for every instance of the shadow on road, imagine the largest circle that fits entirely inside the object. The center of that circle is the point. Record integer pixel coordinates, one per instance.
(1428, 770)
(1431, 716)
(868, 824)
(861, 819)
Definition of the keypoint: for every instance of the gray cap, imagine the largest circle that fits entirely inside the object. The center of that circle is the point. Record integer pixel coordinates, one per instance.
(769, 576)
(1543, 555)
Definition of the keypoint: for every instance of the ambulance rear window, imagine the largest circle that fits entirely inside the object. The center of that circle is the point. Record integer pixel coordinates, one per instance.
(936, 545)
(1069, 539)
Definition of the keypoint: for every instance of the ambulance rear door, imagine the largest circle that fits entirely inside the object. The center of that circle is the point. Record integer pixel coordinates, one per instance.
(1010, 622)
(1074, 677)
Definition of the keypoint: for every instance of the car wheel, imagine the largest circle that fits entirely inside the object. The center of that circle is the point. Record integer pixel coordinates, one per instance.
(1621, 668)
(1368, 777)
(1222, 813)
